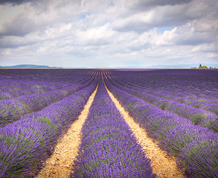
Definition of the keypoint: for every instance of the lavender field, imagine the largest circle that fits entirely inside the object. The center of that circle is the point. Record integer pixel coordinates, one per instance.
(178, 109)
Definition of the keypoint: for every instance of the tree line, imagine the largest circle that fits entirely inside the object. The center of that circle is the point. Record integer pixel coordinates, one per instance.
(203, 67)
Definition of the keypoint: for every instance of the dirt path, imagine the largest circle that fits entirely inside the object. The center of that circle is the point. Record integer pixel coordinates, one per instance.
(60, 163)
(163, 165)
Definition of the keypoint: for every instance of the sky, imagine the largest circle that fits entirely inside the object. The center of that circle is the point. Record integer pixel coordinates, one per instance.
(109, 33)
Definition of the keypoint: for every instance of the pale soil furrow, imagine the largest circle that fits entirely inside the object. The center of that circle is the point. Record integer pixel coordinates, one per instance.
(60, 163)
(163, 165)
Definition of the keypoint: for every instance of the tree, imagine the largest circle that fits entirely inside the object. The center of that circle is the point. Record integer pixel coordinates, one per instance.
(202, 67)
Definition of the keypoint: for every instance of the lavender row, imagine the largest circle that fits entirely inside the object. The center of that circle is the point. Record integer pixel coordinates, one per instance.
(18, 93)
(194, 146)
(16, 88)
(30, 88)
(19, 85)
(11, 110)
(205, 104)
(109, 148)
(185, 95)
(197, 116)
(26, 143)
(67, 76)
(198, 83)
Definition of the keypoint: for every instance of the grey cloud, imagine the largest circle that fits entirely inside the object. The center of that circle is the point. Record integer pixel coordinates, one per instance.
(39, 16)
(206, 47)
(166, 16)
(19, 26)
(193, 41)
(161, 17)
(139, 47)
(97, 42)
(12, 1)
(147, 4)
(10, 42)
(194, 34)
(136, 26)
(139, 26)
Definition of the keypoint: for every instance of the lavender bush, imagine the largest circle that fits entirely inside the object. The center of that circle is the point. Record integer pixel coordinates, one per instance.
(188, 99)
(190, 84)
(11, 110)
(197, 116)
(32, 90)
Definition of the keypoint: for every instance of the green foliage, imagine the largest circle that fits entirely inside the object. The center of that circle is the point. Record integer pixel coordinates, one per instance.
(129, 106)
(196, 119)
(202, 67)
(48, 122)
(205, 67)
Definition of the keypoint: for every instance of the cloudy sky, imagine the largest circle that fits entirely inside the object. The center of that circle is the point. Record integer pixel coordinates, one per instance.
(109, 33)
